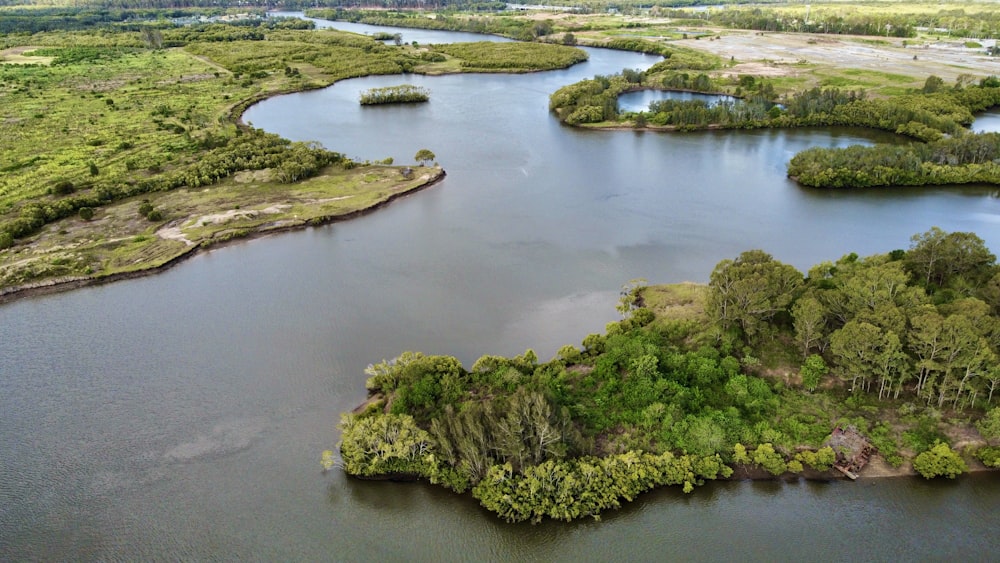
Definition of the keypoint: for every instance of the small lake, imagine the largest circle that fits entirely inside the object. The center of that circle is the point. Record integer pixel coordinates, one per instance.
(182, 416)
(987, 122)
(421, 36)
(639, 101)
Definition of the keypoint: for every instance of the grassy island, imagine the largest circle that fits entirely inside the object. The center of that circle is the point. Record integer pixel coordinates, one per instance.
(750, 374)
(402, 94)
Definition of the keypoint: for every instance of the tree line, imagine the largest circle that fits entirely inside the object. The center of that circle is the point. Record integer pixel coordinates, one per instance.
(967, 159)
(920, 323)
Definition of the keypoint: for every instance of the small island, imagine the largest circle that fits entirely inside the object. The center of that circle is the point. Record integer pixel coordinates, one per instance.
(878, 366)
(401, 94)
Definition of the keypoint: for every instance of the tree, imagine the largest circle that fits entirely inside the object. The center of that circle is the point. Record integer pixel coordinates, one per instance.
(989, 425)
(809, 320)
(541, 28)
(748, 291)
(933, 84)
(866, 353)
(424, 156)
(940, 461)
(569, 39)
(812, 372)
(937, 258)
(86, 213)
(629, 296)
(152, 37)
(769, 460)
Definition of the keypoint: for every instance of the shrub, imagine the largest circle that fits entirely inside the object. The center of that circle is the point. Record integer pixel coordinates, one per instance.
(940, 461)
(86, 213)
(63, 187)
(989, 455)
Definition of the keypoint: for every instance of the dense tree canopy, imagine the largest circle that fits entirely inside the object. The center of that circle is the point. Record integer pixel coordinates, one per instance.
(659, 401)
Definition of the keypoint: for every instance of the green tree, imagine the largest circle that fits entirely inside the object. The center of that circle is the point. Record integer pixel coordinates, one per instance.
(747, 292)
(385, 444)
(938, 258)
(989, 425)
(940, 461)
(769, 460)
(865, 354)
(812, 372)
(933, 84)
(809, 320)
(424, 156)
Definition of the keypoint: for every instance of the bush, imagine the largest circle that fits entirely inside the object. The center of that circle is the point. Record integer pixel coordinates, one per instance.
(86, 213)
(6, 240)
(989, 455)
(63, 187)
(940, 461)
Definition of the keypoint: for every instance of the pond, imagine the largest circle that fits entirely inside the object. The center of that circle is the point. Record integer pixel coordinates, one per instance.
(639, 101)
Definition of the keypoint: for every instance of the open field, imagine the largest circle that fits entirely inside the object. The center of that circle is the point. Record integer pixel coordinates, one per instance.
(847, 61)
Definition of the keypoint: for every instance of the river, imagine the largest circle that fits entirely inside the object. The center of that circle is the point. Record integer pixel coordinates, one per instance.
(182, 416)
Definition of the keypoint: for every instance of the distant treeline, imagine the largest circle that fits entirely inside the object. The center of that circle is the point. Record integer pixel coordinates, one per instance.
(955, 22)
(66, 19)
(966, 159)
(514, 28)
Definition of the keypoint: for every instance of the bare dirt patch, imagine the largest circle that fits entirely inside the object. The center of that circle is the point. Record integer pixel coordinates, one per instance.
(252, 176)
(947, 59)
(21, 56)
(769, 70)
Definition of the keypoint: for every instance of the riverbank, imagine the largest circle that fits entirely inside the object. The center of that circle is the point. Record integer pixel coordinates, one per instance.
(249, 206)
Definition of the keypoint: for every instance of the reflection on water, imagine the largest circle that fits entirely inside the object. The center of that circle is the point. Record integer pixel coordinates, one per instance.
(639, 101)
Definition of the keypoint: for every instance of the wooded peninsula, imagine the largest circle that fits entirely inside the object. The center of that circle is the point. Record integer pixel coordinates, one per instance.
(757, 372)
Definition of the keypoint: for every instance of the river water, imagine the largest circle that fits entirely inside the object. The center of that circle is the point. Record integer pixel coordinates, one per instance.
(182, 416)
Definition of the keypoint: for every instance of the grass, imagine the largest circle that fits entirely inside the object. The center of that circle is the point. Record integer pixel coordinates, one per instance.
(118, 240)
(682, 301)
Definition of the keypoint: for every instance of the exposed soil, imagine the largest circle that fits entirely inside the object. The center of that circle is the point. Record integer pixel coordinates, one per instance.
(772, 54)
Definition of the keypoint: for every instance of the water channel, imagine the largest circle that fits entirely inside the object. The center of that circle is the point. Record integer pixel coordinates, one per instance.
(181, 416)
